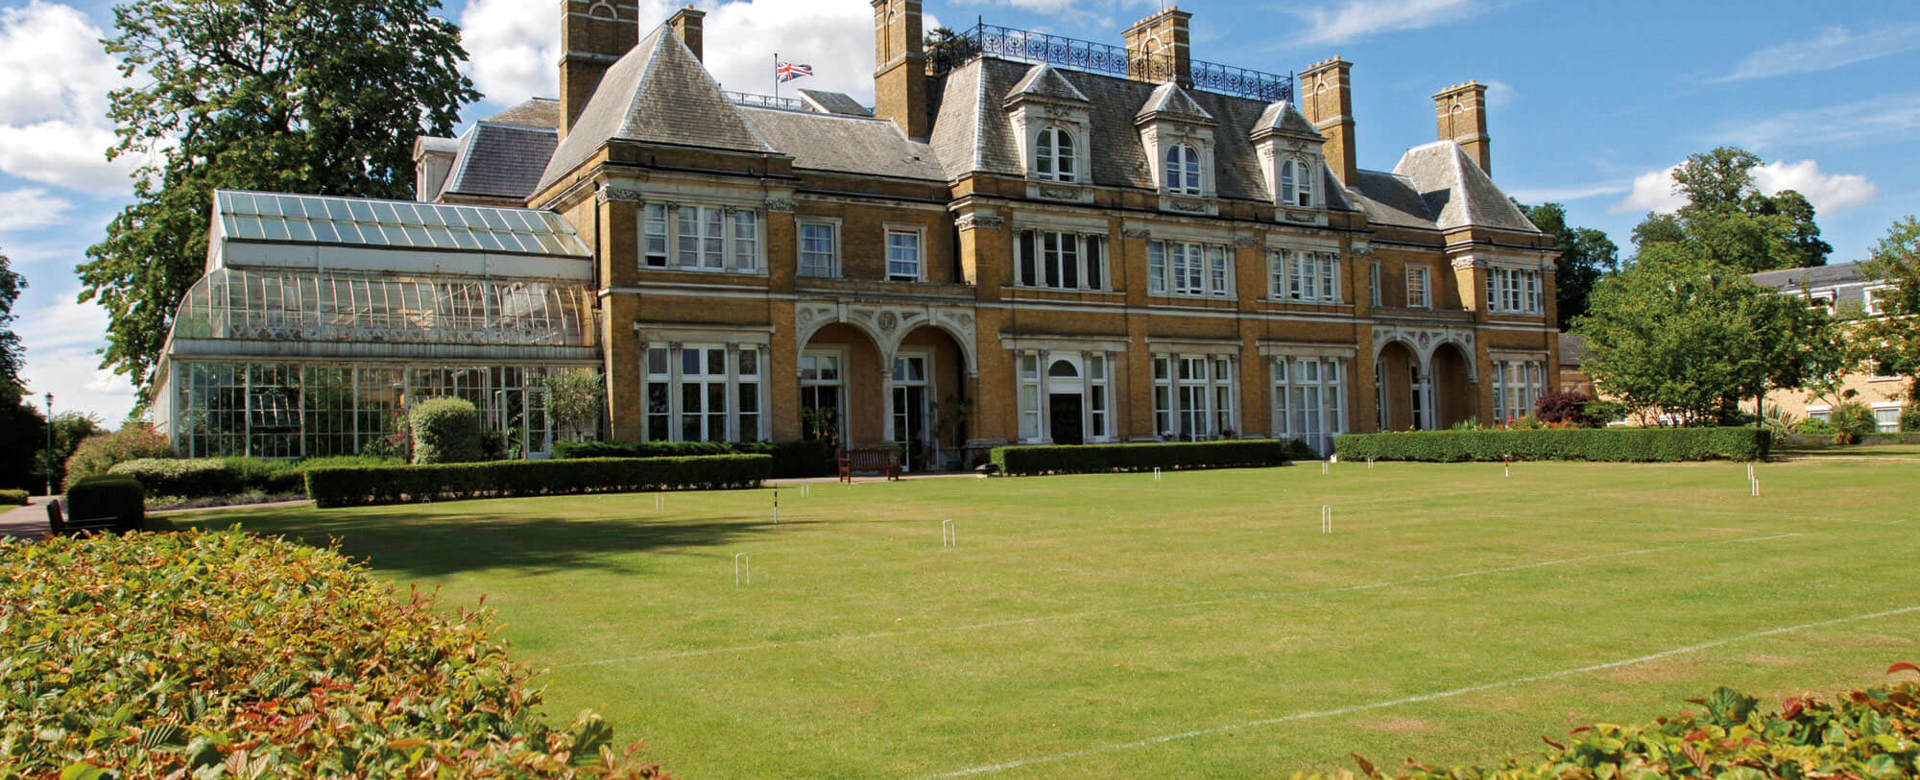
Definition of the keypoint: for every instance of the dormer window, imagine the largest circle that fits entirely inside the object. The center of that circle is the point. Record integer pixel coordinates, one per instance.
(1296, 184)
(1183, 170)
(1053, 155)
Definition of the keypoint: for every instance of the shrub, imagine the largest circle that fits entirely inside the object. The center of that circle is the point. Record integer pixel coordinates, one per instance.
(120, 498)
(183, 654)
(13, 498)
(445, 430)
(1813, 426)
(348, 486)
(1852, 421)
(1566, 407)
(177, 477)
(1636, 445)
(791, 459)
(1299, 449)
(1858, 734)
(1910, 417)
(1091, 458)
(97, 454)
(795, 459)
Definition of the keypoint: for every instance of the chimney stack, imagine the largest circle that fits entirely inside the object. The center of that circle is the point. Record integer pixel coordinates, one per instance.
(1159, 48)
(900, 66)
(1461, 113)
(687, 23)
(1325, 94)
(593, 35)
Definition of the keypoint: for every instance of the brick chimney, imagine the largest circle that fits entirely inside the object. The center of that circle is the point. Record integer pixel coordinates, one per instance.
(593, 36)
(1461, 113)
(687, 23)
(1159, 48)
(900, 66)
(1326, 99)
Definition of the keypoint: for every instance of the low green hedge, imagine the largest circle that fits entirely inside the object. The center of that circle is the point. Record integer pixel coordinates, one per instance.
(1620, 445)
(1093, 458)
(13, 498)
(353, 485)
(230, 476)
(229, 655)
(1857, 734)
(120, 498)
(791, 459)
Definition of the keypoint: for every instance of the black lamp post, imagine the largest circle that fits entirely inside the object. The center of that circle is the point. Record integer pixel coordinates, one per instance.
(49, 455)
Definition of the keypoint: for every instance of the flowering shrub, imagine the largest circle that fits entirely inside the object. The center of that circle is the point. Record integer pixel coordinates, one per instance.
(98, 453)
(1859, 734)
(1567, 407)
(224, 654)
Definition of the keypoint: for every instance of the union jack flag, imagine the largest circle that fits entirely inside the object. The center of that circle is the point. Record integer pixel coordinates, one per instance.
(788, 71)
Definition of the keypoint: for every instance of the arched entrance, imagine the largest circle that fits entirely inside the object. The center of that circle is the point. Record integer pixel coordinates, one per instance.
(1453, 397)
(930, 408)
(840, 387)
(1402, 389)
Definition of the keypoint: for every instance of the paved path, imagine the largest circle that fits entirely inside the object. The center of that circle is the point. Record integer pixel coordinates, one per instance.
(29, 521)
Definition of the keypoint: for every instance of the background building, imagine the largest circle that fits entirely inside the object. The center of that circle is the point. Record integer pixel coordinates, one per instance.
(1839, 288)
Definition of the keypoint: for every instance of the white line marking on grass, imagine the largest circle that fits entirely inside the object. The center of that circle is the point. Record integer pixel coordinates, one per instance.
(1894, 522)
(1425, 697)
(1157, 607)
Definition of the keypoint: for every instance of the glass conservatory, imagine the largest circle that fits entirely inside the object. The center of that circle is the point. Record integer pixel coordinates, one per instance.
(321, 320)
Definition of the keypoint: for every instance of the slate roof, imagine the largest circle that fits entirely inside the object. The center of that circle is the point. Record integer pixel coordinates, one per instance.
(1282, 117)
(844, 144)
(537, 112)
(657, 93)
(1170, 101)
(1389, 199)
(1456, 192)
(500, 160)
(1045, 81)
(833, 102)
(1795, 279)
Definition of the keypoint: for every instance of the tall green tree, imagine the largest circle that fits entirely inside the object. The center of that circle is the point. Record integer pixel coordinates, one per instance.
(1586, 255)
(1892, 338)
(312, 96)
(1681, 335)
(22, 427)
(1729, 221)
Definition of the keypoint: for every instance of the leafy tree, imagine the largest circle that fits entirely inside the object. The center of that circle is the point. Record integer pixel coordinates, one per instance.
(1728, 220)
(574, 401)
(69, 429)
(22, 427)
(1893, 339)
(314, 96)
(12, 354)
(1586, 255)
(1678, 334)
(947, 49)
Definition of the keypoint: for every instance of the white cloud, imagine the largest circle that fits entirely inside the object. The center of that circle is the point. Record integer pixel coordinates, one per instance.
(60, 339)
(1500, 94)
(1570, 193)
(1833, 48)
(1655, 190)
(31, 208)
(54, 80)
(1355, 19)
(1888, 119)
(514, 45)
(1827, 192)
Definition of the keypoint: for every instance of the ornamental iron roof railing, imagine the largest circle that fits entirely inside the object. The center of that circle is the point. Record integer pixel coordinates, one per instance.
(255, 305)
(1027, 46)
(763, 101)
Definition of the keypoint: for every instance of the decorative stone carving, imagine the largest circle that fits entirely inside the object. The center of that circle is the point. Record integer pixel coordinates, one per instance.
(1133, 232)
(1424, 341)
(887, 325)
(1054, 192)
(1247, 242)
(619, 194)
(1186, 205)
(981, 221)
(780, 205)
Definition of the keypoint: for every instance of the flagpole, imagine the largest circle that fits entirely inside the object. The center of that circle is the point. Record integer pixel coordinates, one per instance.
(776, 78)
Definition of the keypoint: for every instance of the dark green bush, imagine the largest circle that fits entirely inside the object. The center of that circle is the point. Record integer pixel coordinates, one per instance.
(13, 497)
(445, 430)
(193, 654)
(181, 477)
(1813, 426)
(1852, 421)
(1094, 458)
(120, 498)
(1632, 445)
(348, 486)
(791, 459)
(1910, 418)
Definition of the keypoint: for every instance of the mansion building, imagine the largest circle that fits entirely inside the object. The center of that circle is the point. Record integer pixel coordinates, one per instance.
(1027, 239)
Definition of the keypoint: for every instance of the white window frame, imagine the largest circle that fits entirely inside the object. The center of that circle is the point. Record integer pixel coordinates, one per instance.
(1183, 173)
(1869, 302)
(1051, 249)
(1373, 280)
(1049, 153)
(1425, 299)
(732, 426)
(1190, 269)
(1208, 399)
(663, 245)
(920, 252)
(1303, 275)
(1517, 386)
(1026, 372)
(832, 270)
(839, 358)
(1296, 183)
(1309, 399)
(1514, 291)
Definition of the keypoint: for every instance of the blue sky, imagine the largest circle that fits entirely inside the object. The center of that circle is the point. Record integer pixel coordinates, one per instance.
(1591, 103)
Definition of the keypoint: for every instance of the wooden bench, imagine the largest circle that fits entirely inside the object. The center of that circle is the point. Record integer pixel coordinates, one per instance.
(869, 460)
(59, 525)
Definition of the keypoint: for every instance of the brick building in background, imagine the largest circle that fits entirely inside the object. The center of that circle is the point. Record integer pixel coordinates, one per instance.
(1073, 242)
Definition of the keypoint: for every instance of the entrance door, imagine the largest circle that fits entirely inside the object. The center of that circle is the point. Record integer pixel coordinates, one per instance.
(911, 385)
(537, 435)
(1065, 423)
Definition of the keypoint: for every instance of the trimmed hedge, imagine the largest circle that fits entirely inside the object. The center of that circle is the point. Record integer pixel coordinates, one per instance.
(1094, 458)
(791, 459)
(1856, 734)
(229, 655)
(13, 498)
(445, 430)
(120, 498)
(356, 485)
(1614, 445)
(231, 476)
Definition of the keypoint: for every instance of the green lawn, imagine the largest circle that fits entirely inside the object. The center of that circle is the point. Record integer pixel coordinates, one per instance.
(1112, 625)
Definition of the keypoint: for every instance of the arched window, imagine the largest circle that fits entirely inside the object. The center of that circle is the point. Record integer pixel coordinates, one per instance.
(1053, 154)
(1183, 170)
(1296, 184)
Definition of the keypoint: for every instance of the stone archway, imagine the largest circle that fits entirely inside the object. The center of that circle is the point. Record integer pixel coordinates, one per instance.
(1401, 387)
(1453, 398)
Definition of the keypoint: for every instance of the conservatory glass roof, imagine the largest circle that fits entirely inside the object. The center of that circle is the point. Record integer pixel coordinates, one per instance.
(261, 216)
